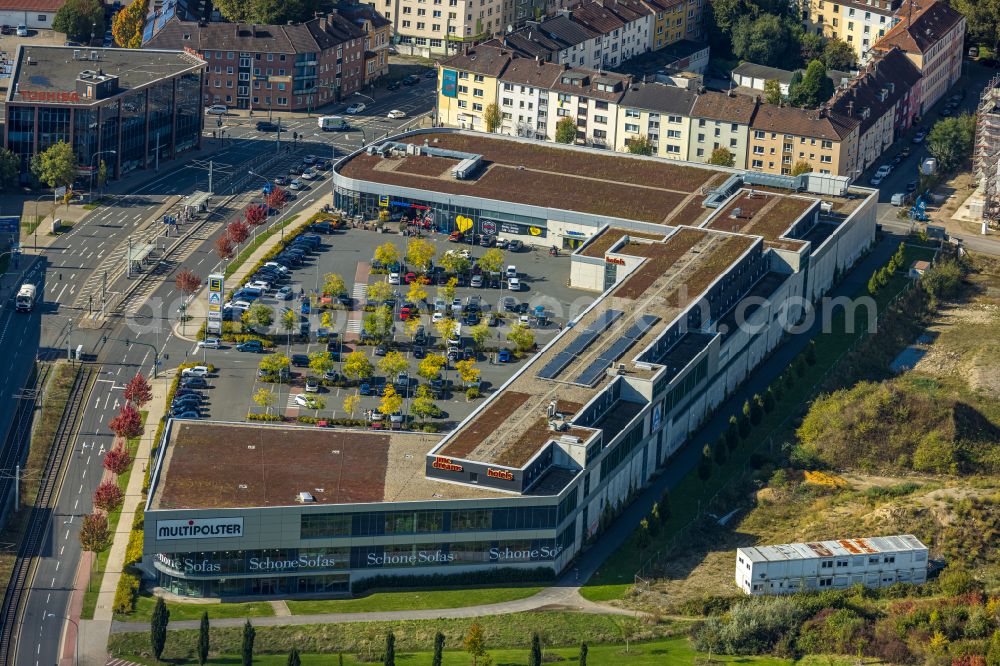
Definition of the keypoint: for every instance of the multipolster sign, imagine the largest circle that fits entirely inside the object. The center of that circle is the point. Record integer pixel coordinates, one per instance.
(203, 528)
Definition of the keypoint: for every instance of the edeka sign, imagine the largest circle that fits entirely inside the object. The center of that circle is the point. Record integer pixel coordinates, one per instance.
(205, 528)
(449, 83)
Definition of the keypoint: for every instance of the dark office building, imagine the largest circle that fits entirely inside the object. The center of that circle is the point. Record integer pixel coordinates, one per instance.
(145, 106)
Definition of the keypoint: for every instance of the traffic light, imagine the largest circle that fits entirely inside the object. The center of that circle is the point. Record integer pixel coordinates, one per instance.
(295, 135)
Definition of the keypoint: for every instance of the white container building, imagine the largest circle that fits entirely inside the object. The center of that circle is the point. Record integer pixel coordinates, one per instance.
(817, 565)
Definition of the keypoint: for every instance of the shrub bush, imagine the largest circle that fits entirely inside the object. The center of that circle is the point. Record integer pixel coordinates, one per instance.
(126, 593)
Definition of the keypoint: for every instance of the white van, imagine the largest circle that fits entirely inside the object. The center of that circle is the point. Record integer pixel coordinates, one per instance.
(455, 339)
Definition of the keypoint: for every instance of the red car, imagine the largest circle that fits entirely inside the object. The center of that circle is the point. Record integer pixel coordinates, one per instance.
(456, 237)
(405, 313)
(409, 277)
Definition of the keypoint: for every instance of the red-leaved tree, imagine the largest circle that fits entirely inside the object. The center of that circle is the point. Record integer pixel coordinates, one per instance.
(108, 496)
(128, 423)
(277, 198)
(117, 460)
(224, 247)
(138, 391)
(94, 533)
(238, 231)
(255, 214)
(187, 281)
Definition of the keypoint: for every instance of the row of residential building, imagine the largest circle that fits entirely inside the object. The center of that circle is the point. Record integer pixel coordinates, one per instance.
(296, 67)
(904, 77)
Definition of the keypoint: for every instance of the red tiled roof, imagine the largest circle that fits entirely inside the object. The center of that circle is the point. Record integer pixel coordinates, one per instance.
(31, 5)
(803, 122)
(918, 34)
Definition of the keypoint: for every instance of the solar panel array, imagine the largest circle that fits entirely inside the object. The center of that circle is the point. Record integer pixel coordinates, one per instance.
(583, 340)
(595, 370)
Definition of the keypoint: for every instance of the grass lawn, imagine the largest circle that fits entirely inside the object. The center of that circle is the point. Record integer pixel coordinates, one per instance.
(413, 600)
(255, 243)
(94, 585)
(615, 576)
(181, 611)
(656, 653)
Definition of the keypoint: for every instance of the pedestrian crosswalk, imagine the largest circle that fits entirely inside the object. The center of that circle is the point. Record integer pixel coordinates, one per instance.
(360, 291)
(353, 325)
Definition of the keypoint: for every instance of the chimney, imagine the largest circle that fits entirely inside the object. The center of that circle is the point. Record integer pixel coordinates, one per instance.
(822, 112)
(850, 108)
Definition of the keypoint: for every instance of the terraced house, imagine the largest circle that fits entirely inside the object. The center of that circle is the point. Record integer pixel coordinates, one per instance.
(882, 98)
(659, 112)
(672, 253)
(591, 100)
(524, 97)
(720, 120)
(468, 84)
(932, 36)
(781, 136)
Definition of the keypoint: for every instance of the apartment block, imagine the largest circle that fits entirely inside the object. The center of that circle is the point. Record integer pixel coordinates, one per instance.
(296, 67)
(720, 120)
(932, 37)
(882, 98)
(860, 23)
(781, 136)
(657, 111)
(591, 100)
(524, 97)
(378, 36)
(434, 27)
(819, 565)
(468, 84)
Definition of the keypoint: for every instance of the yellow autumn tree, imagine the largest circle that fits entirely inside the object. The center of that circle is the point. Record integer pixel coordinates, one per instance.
(127, 26)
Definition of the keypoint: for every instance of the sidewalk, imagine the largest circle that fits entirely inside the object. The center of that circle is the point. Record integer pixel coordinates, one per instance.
(197, 306)
(94, 633)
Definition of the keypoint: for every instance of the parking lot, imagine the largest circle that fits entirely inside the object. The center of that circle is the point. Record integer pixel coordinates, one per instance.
(349, 253)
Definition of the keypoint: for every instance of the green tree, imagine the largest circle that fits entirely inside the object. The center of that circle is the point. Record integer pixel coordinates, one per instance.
(839, 55)
(535, 657)
(267, 12)
(733, 433)
(772, 91)
(249, 634)
(480, 335)
(423, 404)
(447, 290)
(393, 363)
(993, 650)
(983, 22)
(10, 168)
(430, 366)
(320, 363)
(258, 315)
(475, 642)
(764, 40)
(492, 260)
(358, 366)
(453, 262)
(438, 649)
(81, 20)
(722, 157)
(391, 401)
(492, 117)
(350, 404)
(810, 46)
(640, 145)
(293, 658)
(583, 654)
(387, 254)
(289, 319)
(756, 409)
(334, 285)
(521, 337)
(128, 24)
(801, 167)
(389, 658)
(566, 130)
(814, 88)
(378, 324)
(264, 398)
(203, 637)
(56, 166)
(378, 291)
(950, 141)
(158, 627)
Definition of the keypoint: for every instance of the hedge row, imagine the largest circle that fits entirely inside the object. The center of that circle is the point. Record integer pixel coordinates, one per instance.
(127, 593)
(480, 578)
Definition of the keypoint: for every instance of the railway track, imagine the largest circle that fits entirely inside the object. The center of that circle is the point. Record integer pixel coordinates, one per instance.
(19, 584)
(19, 432)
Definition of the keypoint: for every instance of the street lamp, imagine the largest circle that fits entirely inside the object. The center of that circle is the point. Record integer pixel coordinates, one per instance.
(93, 167)
(37, 221)
(370, 99)
(76, 652)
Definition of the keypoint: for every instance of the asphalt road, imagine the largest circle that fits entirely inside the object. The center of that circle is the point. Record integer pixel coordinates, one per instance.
(84, 252)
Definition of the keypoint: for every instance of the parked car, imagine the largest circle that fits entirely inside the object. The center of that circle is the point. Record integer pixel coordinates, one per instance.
(514, 284)
(381, 350)
(296, 185)
(393, 278)
(250, 346)
(437, 316)
(393, 86)
(196, 371)
(456, 237)
(515, 246)
(919, 136)
(209, 343)
(22, 30)
(217, 110)
(300, 360)
(355, 109)
(477, 281)
(312, 385)
(411, 79)
(194, 382)
(191, 414)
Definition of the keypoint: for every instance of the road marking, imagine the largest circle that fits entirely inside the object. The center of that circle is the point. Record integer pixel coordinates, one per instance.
(61, 291)
(77, 502)
(80, 489)
(61, 549)
(58, 562)
(84, 475)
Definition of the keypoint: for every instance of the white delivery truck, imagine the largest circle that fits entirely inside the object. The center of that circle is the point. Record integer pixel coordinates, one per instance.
(333, 124)
(25, 299)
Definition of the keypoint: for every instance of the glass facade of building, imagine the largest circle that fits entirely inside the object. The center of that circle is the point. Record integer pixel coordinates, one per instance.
(165, 114)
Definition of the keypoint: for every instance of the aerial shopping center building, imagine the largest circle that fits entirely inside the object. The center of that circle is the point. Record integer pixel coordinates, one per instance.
(697, 273)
